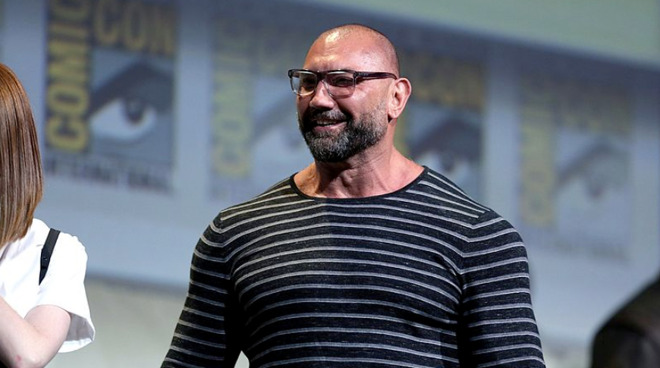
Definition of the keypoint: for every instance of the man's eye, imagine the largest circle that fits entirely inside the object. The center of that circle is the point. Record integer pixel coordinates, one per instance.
(341, 80)
(308, 83)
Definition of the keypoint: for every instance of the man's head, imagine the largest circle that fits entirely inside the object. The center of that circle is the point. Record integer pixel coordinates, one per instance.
(343, 114)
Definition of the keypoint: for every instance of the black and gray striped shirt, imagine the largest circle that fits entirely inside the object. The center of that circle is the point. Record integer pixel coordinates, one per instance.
(422, 277)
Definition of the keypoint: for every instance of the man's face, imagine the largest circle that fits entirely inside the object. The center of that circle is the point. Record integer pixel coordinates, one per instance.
(338, 134)
(336, 129)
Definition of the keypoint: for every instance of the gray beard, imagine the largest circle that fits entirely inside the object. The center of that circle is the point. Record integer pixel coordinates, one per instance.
(356, 137)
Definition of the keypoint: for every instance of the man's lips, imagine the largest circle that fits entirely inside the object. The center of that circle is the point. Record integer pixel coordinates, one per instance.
(323, 122)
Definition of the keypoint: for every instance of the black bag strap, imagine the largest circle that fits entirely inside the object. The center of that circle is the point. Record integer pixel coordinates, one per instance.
(47, 251)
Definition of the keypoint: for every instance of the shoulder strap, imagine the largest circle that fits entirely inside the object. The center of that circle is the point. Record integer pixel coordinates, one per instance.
(46, 252)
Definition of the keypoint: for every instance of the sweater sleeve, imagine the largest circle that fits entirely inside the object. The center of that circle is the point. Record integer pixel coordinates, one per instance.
(207, 332)
(497, 322)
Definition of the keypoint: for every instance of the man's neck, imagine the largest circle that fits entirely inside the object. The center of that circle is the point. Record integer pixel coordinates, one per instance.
(357, 179)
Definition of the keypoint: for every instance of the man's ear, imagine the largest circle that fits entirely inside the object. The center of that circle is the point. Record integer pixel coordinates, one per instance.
(401, 90)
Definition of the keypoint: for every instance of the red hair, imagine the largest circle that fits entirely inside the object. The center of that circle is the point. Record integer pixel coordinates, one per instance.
(21, 177)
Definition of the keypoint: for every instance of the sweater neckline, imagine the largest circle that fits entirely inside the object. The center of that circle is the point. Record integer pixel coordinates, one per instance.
(405, 188)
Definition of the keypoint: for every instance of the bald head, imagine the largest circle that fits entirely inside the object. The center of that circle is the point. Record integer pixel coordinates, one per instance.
(372, 44)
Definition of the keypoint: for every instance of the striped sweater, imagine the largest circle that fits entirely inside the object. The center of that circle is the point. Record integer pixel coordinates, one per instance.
(422, 277)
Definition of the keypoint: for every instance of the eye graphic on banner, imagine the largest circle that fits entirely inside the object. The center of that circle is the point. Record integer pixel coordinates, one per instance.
(455, 141)
(126, 107)
(599, 168)
(576, 154)
(449, 139)
(111, 93)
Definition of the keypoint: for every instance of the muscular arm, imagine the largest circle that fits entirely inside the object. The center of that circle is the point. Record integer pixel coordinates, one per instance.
(34, 340)
(498, 326)
(206, 335)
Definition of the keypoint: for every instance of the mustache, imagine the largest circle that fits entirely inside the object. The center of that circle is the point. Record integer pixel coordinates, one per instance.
(311, 116)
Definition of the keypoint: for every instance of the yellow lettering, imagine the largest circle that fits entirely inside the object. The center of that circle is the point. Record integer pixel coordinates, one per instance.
(67, 95)
(68, 61)
(67, 98)
(67, 134)
(232, 127)
(445, 81)
(106, 15)
(135, 26)
(592, 108)
(74, 11)
(538, 174)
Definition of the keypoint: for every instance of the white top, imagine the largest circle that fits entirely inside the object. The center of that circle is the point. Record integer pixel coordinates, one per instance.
(63, 285)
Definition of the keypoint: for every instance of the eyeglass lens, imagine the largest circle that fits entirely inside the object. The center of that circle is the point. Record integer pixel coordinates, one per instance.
(338, 83)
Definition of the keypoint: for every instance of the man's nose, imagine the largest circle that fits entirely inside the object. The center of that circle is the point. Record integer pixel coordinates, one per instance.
(321, 95)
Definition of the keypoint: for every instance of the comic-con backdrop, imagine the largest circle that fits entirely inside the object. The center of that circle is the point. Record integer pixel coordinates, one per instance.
(110, 92)
(154, 115)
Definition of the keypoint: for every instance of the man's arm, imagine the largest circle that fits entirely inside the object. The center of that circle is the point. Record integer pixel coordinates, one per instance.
(498, 327)
(203, 336)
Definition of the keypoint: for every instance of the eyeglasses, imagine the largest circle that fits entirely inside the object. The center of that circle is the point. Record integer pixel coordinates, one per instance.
(338, 83)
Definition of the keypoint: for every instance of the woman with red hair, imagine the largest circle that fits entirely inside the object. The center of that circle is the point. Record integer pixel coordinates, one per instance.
(42, 312)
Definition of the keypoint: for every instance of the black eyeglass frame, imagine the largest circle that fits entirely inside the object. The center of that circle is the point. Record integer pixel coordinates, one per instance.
(321, 77)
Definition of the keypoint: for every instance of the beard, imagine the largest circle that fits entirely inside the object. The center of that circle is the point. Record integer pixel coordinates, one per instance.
(338, 146)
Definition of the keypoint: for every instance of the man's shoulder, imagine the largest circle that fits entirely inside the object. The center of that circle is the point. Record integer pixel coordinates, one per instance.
(280, 192)
(438, 186)
(439, 181)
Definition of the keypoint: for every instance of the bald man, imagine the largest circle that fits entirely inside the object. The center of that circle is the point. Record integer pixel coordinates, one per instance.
(364, 258)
